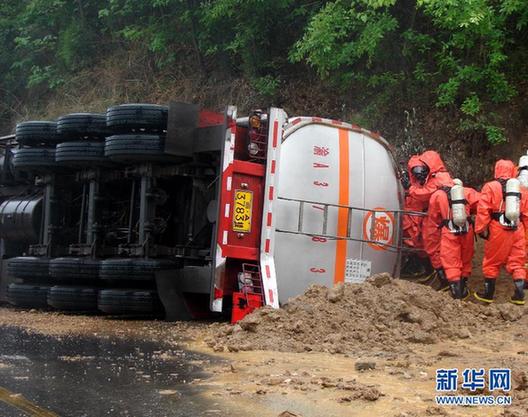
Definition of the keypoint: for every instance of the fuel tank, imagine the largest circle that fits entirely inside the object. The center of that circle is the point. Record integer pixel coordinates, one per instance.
(20, 219)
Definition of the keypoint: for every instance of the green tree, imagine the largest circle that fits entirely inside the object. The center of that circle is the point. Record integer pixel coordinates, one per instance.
(459, 48)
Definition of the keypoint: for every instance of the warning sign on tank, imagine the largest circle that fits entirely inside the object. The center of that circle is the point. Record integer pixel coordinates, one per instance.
(242, 211)
(378, 228)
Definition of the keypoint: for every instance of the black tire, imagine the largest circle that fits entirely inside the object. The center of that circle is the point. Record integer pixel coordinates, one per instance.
(34, 159)
(129, 301)
(82, 126)
(128, 118)
(132, 269)
(28, 267)
(28, 296)
(73, 298)
(74, 268)
(37, 133)
(134, 148)
(76, 154)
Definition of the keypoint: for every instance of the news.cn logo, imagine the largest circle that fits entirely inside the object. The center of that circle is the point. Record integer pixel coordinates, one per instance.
(473, 379)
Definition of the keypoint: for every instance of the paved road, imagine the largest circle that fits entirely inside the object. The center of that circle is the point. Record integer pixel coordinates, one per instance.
(42, 376)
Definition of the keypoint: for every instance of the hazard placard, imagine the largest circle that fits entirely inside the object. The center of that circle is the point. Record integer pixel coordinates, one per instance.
(242, 211)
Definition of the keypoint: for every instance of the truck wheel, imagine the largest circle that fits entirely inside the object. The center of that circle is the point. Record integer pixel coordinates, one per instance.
(129, 301)
(137, 118)
(82, 126)
(74, 268)
(37, 133)
(73, 298)
(28, 267)
(30, 296)
(76, 154)
(34, 159)
(133, 269)
(131, 148)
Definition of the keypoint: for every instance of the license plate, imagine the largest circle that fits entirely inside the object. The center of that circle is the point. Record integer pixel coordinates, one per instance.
(242, 211)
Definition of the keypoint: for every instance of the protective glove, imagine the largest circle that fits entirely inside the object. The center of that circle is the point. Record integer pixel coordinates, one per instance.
(405, 180)
(484, 234)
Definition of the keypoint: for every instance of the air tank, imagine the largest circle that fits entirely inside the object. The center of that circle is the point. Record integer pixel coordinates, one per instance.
(523, 173)
(458, 207)
(512, 205)
(20, 219)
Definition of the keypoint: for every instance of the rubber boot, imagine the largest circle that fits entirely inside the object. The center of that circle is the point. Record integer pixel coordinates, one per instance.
(456, 289)
(518, 295)
(489, 292)
(426, 263)
(442, 279)
(413, 269)
(465, 290)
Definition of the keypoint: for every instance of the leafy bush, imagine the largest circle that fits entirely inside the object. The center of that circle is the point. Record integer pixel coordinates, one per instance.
(470, 54)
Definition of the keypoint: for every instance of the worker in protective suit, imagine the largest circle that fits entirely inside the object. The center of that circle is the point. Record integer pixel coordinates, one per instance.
(417, 262)
(450, 210)
(502, 215)
(436, 177)
(412, 225)
(523, 179)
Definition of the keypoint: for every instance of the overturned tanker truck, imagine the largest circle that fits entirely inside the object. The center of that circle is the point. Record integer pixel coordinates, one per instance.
(185, 212)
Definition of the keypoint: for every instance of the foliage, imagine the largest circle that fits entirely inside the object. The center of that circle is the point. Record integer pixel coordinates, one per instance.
(467, 55)
(460, 48)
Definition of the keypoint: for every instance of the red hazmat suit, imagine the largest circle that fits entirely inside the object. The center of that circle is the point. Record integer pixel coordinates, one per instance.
(412, 225)
(505, 246)
(524, 192)
(438, 177)
(456, 250)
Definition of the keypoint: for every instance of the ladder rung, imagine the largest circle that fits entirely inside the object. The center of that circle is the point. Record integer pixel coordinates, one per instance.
(325, 219)
(301, 214)
(349, 222)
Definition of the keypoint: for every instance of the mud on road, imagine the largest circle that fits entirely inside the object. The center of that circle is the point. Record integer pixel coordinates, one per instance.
(369, 350)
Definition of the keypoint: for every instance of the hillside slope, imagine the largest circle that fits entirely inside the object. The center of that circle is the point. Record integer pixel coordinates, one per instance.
(410, 127)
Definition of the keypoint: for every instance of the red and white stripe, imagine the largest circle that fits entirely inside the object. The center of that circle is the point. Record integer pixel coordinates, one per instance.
(277, 118)
(225, 211)
(297, 122)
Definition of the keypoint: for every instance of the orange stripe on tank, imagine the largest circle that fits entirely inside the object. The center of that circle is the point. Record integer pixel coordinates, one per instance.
(344, 197)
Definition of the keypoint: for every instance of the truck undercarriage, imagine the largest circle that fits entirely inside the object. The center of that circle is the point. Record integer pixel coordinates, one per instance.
(176, 211)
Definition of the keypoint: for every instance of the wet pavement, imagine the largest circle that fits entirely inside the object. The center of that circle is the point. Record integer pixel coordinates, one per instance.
(97, 376)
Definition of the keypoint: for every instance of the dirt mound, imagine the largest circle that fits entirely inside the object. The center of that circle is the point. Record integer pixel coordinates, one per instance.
(383, 314)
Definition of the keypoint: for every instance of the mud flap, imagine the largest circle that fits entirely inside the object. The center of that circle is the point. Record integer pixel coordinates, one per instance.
(181, 126)
(184, 292)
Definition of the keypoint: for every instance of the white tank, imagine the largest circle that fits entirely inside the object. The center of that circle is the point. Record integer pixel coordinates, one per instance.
(458, 206)
(512, 205)
(331, 162)
(523, 174)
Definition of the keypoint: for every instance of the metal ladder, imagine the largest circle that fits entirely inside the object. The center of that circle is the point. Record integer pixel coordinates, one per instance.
(252, 281)
(398, 215)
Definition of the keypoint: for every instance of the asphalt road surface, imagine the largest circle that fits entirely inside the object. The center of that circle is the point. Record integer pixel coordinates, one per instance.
(94, 376)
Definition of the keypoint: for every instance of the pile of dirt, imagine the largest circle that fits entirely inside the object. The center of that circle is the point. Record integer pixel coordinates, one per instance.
(382, 314)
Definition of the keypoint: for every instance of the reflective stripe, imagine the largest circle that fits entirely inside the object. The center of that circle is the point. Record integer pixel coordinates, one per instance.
(342, 214)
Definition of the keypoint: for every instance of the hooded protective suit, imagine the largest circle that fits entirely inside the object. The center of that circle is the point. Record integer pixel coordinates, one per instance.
(456, 246)
(438, 177)
(412, 225)
(524, 191)
(505, 246)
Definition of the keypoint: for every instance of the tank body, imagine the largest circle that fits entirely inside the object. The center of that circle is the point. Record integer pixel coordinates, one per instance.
(336, 165)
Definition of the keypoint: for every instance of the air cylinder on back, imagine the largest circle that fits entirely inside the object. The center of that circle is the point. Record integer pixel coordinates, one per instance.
(523, 171)
(512, 205)
(458, 206)
(20, 219)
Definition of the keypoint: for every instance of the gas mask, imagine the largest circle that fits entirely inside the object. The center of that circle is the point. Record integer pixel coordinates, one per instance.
(420, 172)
